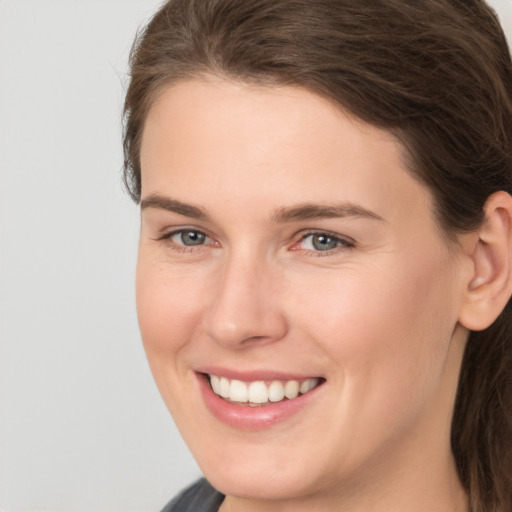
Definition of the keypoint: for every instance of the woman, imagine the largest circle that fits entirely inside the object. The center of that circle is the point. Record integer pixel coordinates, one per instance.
(325, 253)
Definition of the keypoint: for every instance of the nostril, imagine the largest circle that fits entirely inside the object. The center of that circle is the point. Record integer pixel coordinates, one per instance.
(250, 328)
(242, 312)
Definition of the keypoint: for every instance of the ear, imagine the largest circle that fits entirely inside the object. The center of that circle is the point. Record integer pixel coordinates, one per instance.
(489, 287)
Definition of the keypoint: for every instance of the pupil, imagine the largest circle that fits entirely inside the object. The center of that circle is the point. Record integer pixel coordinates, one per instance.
(324, 243)
(192, 238)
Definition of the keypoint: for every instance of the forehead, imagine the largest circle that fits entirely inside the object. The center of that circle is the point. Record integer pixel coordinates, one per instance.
(189, 108)
(284, 143)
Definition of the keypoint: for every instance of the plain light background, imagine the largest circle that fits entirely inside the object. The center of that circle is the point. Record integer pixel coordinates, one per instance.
(82, 427)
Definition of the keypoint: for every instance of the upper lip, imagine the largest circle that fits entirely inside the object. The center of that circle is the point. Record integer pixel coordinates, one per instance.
(253, 375)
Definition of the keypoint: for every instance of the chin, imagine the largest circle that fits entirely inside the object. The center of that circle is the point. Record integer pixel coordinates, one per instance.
(259, 469)
(250, 481)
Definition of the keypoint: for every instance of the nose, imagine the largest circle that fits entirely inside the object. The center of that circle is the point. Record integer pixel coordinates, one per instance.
(245, 308)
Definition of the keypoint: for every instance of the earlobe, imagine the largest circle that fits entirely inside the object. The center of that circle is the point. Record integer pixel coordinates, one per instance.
(490, 285)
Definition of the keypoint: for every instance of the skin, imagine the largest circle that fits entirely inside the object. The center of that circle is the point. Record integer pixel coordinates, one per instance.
(377, 316)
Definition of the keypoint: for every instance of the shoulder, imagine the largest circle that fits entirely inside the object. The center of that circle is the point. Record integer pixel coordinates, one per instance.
(199, 497)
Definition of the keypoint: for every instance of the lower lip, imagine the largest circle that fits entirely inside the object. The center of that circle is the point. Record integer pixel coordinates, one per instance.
(245, 417)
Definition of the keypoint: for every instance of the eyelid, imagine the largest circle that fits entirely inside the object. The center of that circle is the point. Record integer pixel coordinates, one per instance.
(168, 234)
(345, 242)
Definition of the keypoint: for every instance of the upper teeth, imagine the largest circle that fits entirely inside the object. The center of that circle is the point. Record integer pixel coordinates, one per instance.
(260, 392)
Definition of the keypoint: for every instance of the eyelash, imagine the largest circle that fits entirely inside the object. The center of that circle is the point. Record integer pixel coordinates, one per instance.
(182, 248)
(343, 243)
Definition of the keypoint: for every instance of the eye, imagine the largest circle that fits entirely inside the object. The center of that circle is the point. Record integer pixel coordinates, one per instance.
(323, 242)
(187, 238)
(190, 237)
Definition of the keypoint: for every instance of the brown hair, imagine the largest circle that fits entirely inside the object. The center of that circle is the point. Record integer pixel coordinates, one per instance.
(436, 73)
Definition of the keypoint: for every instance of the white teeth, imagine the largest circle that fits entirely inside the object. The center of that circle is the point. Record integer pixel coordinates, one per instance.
(224, 387)
(238, 391)
(291, 389)
(258, 392)
(214, 381)
(276, 391)
(308, 385)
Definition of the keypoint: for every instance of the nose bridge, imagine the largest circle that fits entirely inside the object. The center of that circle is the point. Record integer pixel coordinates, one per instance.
(244, 306)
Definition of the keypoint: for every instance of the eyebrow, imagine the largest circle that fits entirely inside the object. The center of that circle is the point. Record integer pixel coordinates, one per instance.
(172, 205)
(317, 211)
(301, 212)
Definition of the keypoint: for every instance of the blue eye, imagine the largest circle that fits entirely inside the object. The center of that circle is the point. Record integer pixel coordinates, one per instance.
(189, 237)
(323, 242)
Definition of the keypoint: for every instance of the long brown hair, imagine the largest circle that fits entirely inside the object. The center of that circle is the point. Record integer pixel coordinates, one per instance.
(437, 74)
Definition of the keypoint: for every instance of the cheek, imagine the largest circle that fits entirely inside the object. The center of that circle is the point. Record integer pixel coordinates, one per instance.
(387, 329)
(168, 314)
(166, 307)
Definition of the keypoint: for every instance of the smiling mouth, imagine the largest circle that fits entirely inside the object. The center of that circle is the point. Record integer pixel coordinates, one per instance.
(259, 392)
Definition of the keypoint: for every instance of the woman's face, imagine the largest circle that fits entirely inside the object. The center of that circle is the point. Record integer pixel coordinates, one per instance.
(284, 246)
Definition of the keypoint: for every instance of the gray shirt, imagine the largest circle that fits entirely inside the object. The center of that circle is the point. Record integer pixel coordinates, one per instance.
(199, 497)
